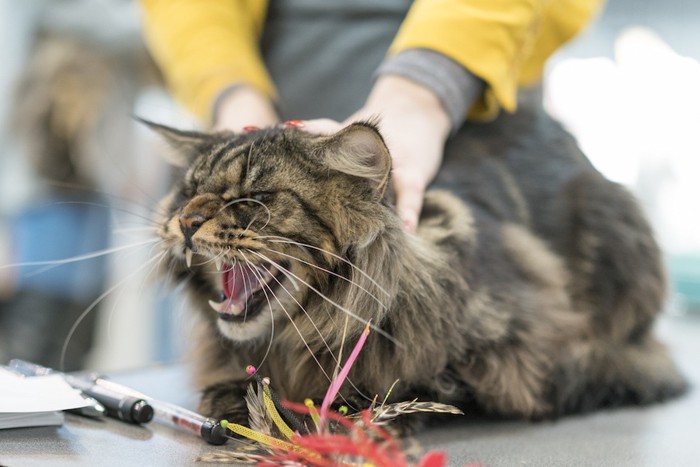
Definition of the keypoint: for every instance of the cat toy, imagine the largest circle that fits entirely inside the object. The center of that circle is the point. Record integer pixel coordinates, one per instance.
(286, 433)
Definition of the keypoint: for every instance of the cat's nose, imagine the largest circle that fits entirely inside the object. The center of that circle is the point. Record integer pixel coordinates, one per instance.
(189, 224)
(199, 210)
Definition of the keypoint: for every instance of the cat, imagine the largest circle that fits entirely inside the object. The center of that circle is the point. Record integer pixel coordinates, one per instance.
(529, 289)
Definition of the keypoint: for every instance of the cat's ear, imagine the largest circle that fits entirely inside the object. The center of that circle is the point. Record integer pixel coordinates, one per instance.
(184, 144)
(359, 150)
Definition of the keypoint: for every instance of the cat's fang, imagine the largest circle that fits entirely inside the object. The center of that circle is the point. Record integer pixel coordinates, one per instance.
(226, 307)
(217, 263)
(216, 306)
(188, 257)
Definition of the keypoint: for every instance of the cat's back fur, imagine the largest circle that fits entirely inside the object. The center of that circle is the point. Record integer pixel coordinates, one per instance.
(560, 220)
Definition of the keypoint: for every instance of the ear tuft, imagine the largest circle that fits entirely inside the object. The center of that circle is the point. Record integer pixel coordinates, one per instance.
(185, 144)
(359, 150)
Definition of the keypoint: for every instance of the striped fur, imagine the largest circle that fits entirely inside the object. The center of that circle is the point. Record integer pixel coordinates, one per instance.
(529, 289)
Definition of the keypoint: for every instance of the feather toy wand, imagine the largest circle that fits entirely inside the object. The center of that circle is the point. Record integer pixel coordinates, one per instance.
(338, 381)
(352, 440)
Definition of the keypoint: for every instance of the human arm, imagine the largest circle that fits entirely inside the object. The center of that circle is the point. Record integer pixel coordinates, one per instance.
(242, 106)
(504, 42)
(205, 47)
(422, 96)
(471, 56)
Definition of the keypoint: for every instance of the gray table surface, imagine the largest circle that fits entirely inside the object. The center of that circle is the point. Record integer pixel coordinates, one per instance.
(661, 435)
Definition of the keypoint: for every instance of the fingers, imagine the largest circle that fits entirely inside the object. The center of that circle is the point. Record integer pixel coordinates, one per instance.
(259, 110)
(409, 200)
(408, 207)
(321, 126)
(416, 154)
(415, 162)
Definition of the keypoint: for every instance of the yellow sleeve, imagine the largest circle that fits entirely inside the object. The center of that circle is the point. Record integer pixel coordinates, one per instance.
(203, 46)
(504, 42)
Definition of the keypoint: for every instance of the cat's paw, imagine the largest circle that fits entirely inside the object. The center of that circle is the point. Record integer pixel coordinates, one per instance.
(225, 401)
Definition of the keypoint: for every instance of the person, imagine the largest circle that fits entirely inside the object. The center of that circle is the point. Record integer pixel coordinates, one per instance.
(423, 67)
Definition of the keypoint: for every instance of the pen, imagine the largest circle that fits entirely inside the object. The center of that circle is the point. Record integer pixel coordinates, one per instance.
(208, 429)
(116, 405)
(122, 406)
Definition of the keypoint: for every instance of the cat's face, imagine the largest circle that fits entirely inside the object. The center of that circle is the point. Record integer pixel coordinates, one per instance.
(259, 220)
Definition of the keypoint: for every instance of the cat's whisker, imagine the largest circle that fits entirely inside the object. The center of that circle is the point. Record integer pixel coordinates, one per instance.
(136, 222)
(296, 328)
(156, 212)
(318, 331)
(256, 218)
(328, 271)
(90, 307)
(337, 305)
(283, 270)
(247, 280)
(292, 279)
(112, 196)
(245, 200)
(272, 317)
(182, 283)
(154, 267)
(250, 200)
(112, 209)
(279, 239)
(169, 277)
(126, 230)
(157, 261)
(216, 260)
(49, 265)
(75, 259)
(154, 246)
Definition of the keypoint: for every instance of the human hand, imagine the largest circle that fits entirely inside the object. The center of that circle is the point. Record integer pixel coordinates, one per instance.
(244, 106)
(415, 126)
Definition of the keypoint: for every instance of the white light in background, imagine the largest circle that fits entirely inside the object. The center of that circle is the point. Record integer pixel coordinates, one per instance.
(637, 117)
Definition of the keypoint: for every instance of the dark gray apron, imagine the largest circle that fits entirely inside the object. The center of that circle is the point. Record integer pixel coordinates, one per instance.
(322, 54)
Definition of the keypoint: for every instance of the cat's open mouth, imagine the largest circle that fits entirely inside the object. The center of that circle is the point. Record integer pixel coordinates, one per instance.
(245, 289)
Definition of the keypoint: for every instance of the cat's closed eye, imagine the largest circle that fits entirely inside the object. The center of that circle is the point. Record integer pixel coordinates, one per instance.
(261, 196)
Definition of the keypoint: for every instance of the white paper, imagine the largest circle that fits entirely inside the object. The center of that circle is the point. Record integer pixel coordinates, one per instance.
(22, 420)
(36, 394)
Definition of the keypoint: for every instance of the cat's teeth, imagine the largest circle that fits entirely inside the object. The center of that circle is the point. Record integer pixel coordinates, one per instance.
(188, 257)
(217, 263)
(216, 306)
(233, 309)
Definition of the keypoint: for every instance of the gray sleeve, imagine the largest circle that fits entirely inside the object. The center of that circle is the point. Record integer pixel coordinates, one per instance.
(456, 87)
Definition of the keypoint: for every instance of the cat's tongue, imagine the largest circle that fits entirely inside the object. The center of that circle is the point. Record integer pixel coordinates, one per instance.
(236, 282)
(239, 284)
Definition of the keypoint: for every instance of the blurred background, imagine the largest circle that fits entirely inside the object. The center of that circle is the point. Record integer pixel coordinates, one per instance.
(79, 176)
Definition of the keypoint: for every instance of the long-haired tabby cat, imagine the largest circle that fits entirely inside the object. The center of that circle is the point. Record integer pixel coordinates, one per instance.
(529, 289)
